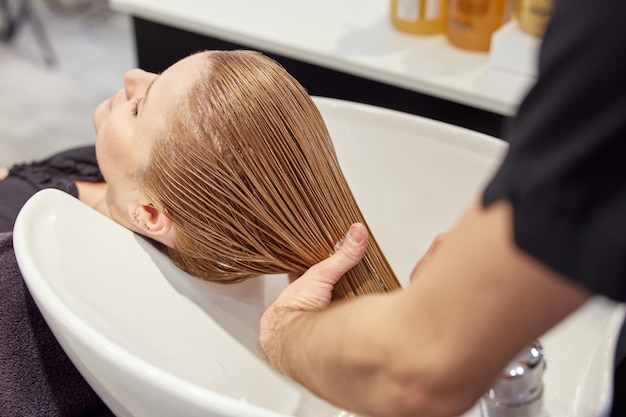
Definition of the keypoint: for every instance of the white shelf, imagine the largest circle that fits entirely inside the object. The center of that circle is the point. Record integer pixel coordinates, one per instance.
(515, 50)
(352, 36)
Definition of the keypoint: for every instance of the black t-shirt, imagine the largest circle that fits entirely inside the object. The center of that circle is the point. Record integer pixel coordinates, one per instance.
(565, 172)
(59, 171)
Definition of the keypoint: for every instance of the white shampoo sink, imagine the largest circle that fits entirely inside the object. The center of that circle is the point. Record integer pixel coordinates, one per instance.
(153, 341)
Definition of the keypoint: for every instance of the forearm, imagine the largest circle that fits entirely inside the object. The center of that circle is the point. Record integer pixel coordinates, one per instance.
(334, 354)
(434, 348)
(362, 356)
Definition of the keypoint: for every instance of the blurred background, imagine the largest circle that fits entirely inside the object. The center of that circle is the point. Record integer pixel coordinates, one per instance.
(58, 60)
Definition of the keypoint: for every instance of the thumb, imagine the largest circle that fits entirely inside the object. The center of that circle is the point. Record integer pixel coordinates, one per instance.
(313, 290)
(348, 253)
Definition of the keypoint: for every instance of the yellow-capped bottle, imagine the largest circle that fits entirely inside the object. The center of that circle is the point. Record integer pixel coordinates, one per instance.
(419, 17)
(533, 15)
(470, 23)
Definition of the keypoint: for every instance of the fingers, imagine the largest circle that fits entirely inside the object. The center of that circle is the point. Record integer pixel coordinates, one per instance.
(292, 276)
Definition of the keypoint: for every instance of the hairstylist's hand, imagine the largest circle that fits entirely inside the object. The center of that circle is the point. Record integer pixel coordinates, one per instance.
(310, 292)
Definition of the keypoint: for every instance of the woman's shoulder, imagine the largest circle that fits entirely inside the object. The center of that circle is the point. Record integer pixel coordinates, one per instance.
(8, 263)
(79, 163)
(6, 241)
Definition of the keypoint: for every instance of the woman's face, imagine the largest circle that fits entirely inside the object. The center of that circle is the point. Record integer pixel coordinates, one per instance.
(128, 123)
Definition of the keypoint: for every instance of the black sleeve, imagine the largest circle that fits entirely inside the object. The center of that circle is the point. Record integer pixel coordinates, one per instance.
(59, 171)
(565, 172)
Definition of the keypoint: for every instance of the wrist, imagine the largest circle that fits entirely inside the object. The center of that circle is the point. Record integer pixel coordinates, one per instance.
(276, 326)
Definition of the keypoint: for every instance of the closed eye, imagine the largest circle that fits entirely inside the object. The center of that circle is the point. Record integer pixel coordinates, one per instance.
(134, 110)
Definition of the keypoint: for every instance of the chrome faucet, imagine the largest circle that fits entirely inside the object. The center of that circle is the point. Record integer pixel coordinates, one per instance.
(519, 390)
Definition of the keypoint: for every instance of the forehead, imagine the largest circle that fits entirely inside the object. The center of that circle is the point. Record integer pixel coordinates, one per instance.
(167, 89)
(192, 63)
(177, 79)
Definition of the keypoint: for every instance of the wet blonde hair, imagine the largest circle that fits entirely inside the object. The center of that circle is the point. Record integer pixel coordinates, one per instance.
(248, 175)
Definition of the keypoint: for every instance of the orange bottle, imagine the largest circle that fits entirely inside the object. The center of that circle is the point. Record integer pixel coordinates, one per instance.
(533, 15)
(470, 23)
(420, 17)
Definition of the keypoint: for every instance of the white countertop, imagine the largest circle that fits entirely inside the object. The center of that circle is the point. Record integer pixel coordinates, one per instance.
(352, 36)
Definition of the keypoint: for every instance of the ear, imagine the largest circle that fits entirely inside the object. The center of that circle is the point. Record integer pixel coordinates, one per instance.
(154, 223)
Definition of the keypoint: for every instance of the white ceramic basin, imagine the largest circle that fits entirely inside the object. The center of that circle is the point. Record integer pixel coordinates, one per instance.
(153, 341)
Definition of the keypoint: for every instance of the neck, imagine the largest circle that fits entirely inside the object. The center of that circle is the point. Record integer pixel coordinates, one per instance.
(96, 196)
(92, 193)
(103, 200)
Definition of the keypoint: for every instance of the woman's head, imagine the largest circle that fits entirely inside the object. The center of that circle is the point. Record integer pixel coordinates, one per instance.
(239, 176)
(127, 126)
(246, 155)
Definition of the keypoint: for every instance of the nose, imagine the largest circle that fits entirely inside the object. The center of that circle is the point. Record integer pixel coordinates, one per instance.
(135, 81)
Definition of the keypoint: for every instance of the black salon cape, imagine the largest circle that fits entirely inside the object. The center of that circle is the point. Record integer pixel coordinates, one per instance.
(36, 376)
(58, 171)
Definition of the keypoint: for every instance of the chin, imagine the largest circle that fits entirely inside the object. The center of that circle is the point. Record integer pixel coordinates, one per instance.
(98, 157)
(97, 117)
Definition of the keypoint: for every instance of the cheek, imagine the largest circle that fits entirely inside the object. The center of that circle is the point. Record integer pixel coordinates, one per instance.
(112, 150)
(104, 156)
(105, 141)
